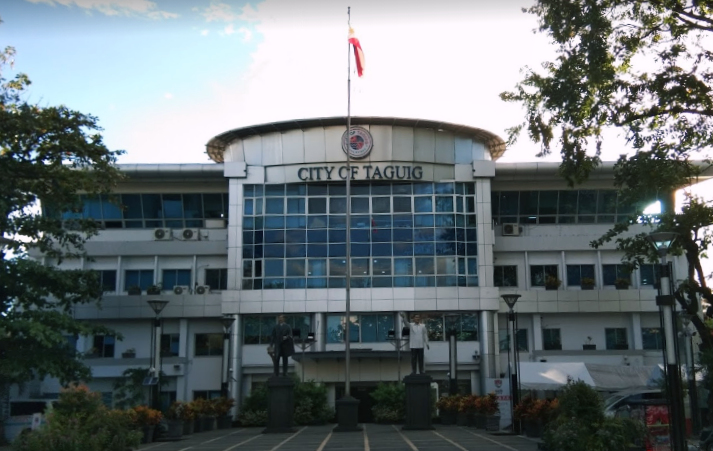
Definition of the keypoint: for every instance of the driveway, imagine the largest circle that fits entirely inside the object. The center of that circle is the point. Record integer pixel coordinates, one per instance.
(374, 437)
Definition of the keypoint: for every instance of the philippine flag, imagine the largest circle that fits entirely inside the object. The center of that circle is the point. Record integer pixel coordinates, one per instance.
(358, 52)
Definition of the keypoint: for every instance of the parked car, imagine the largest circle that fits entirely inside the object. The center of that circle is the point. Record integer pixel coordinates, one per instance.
(630, 396)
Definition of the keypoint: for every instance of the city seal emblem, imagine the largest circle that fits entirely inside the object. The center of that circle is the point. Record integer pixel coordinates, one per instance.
(357, 143)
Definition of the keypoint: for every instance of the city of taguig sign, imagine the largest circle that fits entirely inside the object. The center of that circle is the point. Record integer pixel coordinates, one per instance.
(362, 172)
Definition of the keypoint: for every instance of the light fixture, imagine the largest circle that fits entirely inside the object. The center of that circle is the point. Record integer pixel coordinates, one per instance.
(510, 299)
(157, 305)
(662, 241)
(227, 321)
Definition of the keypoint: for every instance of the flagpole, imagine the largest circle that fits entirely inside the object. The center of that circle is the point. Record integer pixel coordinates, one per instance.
(347, 406)
(347, 338)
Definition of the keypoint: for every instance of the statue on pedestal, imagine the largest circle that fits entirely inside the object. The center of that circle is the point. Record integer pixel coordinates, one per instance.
(418, 338)
(281, 345)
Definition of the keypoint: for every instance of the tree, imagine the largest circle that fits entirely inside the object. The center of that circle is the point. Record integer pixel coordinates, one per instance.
(640, 67)
(47, 156)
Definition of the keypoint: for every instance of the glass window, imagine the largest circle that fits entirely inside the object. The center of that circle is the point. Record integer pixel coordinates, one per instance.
(439, 325)
(142, 278)
(575, 274)
(174, 277)
(208, 344)
(217, 279)
(522, 341)
(652, 338)
(505, 276)
(107, 280)
(649, 275)
(169, 345)
(336, 328)
(616, 338)
(539, 273)
(610, 273)
(551, 339)
(103, 346)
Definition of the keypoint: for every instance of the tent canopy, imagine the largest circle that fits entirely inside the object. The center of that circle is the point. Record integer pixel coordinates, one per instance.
(554, 375)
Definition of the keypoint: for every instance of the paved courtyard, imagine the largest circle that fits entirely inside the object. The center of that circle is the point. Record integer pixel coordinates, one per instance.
(374, 437)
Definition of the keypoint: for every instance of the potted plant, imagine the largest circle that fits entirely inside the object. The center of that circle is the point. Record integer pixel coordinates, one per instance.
(535, 414)
(129, 354)
(622, 283)
(448, 409)
(466, 410)
(134, 290)
(221, 409)
(154, 289)
(175, 416)
(588, 345)
(552, 282)
(587, 283)
(147, 419)
(183, 411)
(488, 417)
(205, 417)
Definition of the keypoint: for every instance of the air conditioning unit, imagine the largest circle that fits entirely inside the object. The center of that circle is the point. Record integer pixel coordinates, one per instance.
(162, 234)
(511, 229)
(181, 289)
(203, 289)
(190, 234)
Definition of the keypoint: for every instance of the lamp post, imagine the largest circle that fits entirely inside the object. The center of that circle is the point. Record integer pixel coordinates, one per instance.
(227, 321)
(691, 372)
(157, 305)
(303, 344)
(662, 242)
(510, 300)
(399, 343)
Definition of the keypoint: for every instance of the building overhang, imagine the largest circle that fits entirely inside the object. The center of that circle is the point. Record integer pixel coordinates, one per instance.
(355, 354)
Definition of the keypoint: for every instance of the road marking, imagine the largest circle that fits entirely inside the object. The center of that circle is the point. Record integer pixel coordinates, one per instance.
(450, 441)
(408, 442)
(366, 440)
(242, 443)
(324, 442)
(155, 446)
(289, 438)
(490, 440)
(222, 436)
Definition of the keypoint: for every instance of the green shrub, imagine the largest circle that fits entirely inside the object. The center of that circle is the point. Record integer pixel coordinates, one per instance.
(79, 421)
(390, 402)
(311, 405)
(581, 424)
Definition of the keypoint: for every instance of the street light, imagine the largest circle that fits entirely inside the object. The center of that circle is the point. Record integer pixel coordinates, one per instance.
(157, 305)
(227, 321)
(303, 344)
(662, 241)
(690, 367)
(399, 343)
(510, 300)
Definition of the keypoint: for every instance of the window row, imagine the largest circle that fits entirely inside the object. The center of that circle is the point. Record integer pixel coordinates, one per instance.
(616, 338)
(358, 189)
(359, 250)
(136, 211)
(359, 205)
(577, 275)
(216, 279)
(364, 328)
(559, 207)
(365, 272)
(375, 223)
(359, 235)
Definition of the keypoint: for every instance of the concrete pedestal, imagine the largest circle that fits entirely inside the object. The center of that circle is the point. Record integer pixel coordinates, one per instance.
(418, 402)
(347, 415)
(280, 405)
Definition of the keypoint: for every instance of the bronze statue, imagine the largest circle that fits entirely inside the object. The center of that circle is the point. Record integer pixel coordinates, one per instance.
(281, 345)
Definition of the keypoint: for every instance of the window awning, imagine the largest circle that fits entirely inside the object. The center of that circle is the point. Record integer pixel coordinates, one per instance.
(356, 354)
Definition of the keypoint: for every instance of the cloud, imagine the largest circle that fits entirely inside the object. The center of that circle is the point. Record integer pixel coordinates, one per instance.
(220, 12)
(115, 7)
(229, 30)
(247, 34)
(168, 96)
(205, 32)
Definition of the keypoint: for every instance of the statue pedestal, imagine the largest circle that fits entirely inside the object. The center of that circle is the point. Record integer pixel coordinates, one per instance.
(280, 405)
(418, 402)
(347, 414)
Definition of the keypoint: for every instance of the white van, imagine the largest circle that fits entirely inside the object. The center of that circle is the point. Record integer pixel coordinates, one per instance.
(631, 395)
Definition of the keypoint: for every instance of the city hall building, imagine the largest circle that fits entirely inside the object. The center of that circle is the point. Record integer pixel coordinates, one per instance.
(437, 227)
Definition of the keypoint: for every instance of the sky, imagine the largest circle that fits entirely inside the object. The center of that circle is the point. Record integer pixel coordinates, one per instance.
(164, 77)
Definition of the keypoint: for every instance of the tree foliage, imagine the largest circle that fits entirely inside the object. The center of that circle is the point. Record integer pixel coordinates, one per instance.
(47, 155)
(642, 68)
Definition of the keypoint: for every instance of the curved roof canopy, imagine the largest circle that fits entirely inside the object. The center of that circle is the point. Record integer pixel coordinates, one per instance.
(217, 145)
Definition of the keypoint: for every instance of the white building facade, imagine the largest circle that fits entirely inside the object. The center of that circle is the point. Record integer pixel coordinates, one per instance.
(438, 228)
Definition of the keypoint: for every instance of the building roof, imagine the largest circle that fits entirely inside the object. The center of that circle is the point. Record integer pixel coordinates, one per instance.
(217, 145)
